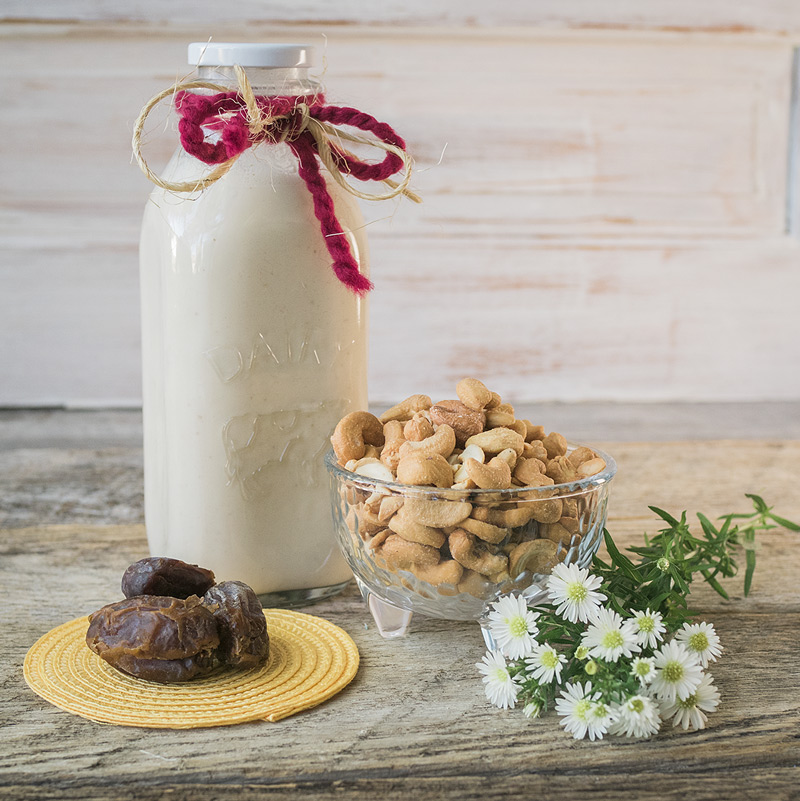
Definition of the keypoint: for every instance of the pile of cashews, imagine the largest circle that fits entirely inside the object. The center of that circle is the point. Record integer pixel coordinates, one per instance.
(467, 545)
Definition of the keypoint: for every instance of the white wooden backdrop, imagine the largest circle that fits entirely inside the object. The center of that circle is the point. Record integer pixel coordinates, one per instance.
(611, 190)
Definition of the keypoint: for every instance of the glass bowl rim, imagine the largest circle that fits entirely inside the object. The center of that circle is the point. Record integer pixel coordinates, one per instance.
(572, 488)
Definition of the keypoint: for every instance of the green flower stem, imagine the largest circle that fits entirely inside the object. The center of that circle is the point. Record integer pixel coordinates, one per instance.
(669, 561)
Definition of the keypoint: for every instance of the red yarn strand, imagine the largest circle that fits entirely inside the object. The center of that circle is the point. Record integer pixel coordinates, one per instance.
(226, 112)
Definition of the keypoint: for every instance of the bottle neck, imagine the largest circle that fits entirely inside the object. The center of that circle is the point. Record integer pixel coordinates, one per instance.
(287, 81)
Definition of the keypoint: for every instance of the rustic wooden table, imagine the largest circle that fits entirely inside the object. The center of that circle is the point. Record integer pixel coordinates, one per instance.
(414, 723)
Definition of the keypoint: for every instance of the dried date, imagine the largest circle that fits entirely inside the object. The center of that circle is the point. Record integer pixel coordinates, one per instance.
(155, 637)
(158, 575)
(167, 671)
(244, 641)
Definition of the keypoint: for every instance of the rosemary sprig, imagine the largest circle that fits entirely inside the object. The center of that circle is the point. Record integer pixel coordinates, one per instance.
(669, 561)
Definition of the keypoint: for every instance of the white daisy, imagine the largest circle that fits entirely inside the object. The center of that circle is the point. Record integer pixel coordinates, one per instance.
(609, 637)
(649, 628)
(643, 667)
(637, 717)
(513, 626)
(546, 663)
(532, 709)
(601, 718)
(500, 687)
(691, 711)
(574, 590)
(678, 673)
(700, 639)
(576, 707)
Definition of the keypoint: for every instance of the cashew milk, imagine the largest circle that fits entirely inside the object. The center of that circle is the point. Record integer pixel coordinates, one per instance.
(252, 351)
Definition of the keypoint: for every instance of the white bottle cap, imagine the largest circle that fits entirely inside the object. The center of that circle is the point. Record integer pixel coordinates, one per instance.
(226, 54)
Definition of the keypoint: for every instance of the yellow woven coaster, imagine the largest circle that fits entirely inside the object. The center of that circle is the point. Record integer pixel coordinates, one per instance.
(310, 660)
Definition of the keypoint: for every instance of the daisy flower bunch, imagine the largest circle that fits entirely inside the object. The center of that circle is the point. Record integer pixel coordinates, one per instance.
(602, 672)
(616, 650)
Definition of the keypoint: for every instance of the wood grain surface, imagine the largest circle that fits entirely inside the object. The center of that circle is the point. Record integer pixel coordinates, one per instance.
(763, 16)
(610, 203)
(415, 724)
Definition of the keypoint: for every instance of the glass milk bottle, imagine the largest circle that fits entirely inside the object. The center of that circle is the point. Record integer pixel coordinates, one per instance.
(252, 351)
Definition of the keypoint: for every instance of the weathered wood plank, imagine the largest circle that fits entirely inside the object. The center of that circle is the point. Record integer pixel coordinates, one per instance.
(681, 15)
(628, 201)
(589, 324)
(581, 137)
(414, 723)
(584, 325)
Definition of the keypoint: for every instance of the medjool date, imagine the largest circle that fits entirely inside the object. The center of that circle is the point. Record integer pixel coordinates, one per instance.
(167, 671)
(244, 641)
(158, 575)
(155, 637)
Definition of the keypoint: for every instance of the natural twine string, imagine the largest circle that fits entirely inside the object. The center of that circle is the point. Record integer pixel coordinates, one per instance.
(262, 126)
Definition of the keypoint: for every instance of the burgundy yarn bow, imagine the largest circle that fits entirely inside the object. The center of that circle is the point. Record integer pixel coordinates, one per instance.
(286, 119)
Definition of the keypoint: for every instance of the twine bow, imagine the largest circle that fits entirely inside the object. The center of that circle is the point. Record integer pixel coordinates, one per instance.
(308, 126)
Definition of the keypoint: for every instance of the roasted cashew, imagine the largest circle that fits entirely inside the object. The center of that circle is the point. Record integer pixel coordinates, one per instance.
(437, 514)
(514, 517)
(353, 433)
(448, 571)
(509, 456)
(496, 440)
(400, 554)
(373, 503)
(484, 531)
(540, 480)
(570, 507)
(393, 434)
(421, 469)
(557, 532)
(405, 410)
(547, 511)
(580, 455)
(519, 427)
(472, 452)
(416, 532)
(389, 505)
(370, 467)
(379, 538)
(573, 527)
(367, 522)
(527, 471)
(495, 475)
(495, 402)
(474, 584)
(443, 442)
(461, 418)
(475, 554)
(560, 469)
(592, 467)
(419, 427)
(555, 445)
(496, 418)
(535, 450)
(534, 556)
(473, 393)
(534, 433)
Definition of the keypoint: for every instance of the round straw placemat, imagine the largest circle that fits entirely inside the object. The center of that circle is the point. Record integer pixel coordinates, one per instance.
(310, 660)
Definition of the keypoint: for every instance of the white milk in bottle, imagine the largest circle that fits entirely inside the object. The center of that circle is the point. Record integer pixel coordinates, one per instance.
(252, 351)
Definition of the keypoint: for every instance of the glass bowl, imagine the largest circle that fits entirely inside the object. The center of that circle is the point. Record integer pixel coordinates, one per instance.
(448, 553)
